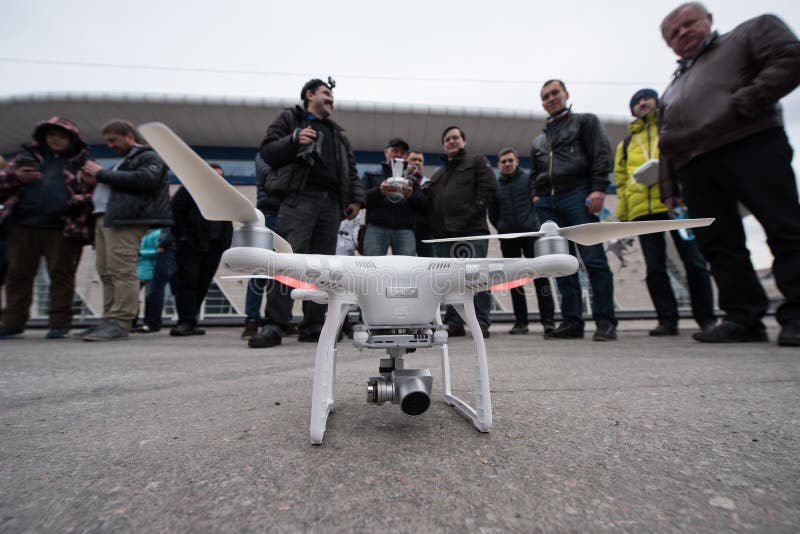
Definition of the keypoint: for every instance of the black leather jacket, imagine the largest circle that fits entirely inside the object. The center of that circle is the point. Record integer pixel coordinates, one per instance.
(139, 190)
(576, 154)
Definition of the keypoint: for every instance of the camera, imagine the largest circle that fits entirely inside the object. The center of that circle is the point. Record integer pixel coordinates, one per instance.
(312, 152)
(27, 161)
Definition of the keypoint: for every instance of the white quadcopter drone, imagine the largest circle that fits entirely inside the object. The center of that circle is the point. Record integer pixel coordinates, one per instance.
(399, 296)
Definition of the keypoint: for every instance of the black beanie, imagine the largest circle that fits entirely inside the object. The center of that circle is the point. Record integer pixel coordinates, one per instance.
(642, 93)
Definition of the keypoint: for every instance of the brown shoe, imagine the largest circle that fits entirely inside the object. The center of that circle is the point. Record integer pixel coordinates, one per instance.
(250, 329)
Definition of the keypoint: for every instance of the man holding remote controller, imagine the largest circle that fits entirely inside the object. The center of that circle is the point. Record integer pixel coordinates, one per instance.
(392, 203)
(636, 176)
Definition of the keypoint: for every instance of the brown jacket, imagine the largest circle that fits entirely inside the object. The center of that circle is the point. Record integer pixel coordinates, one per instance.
(730, 92)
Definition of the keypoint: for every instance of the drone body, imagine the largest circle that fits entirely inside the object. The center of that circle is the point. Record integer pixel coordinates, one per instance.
(399, 296)
(394, 290)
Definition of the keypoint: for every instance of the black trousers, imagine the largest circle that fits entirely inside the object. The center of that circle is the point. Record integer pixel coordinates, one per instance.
(517, 248)
(757, 172)
(195, 271)
(311, 226)
(654, 250)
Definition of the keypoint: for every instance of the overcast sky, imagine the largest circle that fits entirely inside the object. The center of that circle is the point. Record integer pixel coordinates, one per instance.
(478, 54)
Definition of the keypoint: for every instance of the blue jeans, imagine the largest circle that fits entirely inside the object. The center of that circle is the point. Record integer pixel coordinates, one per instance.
(378, 239)
(482, 300)
(163, 274)
(569, 209)
(256, 286)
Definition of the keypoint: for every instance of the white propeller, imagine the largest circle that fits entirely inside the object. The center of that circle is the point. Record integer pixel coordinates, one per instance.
(591, 233)
(217, 199)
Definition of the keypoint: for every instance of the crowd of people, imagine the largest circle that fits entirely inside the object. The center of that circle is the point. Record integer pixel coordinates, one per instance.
(712, 140)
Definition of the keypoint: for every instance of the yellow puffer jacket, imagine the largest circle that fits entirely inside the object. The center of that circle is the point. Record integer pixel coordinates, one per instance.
(636, 200)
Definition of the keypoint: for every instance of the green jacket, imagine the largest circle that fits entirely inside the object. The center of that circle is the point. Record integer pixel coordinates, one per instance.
(636, 200)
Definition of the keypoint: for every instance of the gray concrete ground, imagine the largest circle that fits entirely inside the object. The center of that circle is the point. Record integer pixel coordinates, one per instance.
(203, 434)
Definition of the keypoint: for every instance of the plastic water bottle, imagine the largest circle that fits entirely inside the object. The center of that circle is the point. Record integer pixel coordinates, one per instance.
(682, 213)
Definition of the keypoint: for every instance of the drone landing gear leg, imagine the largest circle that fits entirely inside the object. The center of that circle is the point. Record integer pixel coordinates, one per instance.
(325, 368)
(481, 415)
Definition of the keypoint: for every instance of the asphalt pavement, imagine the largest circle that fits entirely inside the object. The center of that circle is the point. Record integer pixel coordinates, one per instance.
(159, 433)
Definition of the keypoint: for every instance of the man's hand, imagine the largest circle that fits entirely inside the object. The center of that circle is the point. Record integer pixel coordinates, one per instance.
(386, 188)
(91, 168)
(306, 136)
(671, 203)
(594, 202)
(27, 175)
(407, 189)
(352, 210)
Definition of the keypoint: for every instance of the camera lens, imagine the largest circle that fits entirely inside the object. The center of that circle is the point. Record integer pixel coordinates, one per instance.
(415, 403)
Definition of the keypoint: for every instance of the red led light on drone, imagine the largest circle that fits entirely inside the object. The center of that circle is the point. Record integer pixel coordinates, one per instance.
(294, 282)
(510, 285)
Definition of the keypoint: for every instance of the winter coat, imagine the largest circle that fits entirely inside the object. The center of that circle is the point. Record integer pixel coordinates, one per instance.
(288, 174)
(512, 207)
(577, 154)
(460, 193)
(77, 219)
(730, 92)
(635, 200)
(139, 190)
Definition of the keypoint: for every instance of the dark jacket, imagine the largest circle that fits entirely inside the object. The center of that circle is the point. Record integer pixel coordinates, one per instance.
(460, 194)
(268, 204)
(383, 212)
(730, 92)
(289, 174)
(512, 208)
(77, 216)
(139, 190)
(192, 228)
(577, 154)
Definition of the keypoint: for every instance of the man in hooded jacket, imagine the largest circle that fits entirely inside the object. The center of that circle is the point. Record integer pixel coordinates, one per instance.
(45, 207)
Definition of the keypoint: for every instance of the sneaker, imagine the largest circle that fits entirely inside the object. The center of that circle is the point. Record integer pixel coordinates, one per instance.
(186, 329)
(309, 333)
(605, 332)
(85, 332)
(518, 329)
(269, 336)
(664, 329)
(732, 332)
(57, 333)
(549, 327)
(790, 334)
(485, 331)
(107, 332)
(566, 331)
(7, 333)
(250, 328)
(456, 330)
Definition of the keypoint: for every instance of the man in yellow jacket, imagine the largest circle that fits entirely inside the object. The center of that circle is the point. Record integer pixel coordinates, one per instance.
(639, 200)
